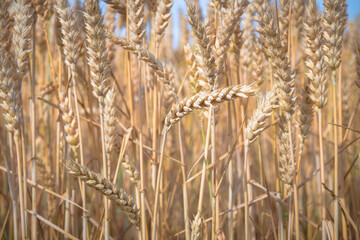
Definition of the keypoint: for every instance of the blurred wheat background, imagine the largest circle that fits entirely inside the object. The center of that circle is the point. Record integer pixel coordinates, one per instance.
(231, 119)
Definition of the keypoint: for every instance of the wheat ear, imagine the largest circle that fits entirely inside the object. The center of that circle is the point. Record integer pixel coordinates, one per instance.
(96, 48)
(192, 68)
(207, 58)
(105, 187)
(70, 123)
(264, 110)
(248, 37)
(45, 174)
(131, 170)
(274, 49)
(23, 20)
(162, 17)
(196, 227)
(110, 25)
(204, 100)
(137, 21)
(109, 121)
(334, 20)
(284, 5)
(231, 19)
(69, 34)
(118, 5)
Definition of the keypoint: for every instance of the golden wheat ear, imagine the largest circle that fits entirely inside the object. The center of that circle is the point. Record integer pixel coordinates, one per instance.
(105, 187)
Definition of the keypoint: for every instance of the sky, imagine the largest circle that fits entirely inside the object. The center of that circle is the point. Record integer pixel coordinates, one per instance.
(180, 5)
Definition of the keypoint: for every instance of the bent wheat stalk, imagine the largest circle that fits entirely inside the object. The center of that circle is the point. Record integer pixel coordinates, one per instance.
(163, 71)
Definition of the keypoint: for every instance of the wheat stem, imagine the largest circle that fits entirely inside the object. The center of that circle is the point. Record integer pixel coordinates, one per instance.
(33, 139)
(157, 189)
(336, 159)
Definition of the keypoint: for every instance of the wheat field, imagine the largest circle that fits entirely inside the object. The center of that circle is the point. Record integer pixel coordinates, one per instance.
(248, 128)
